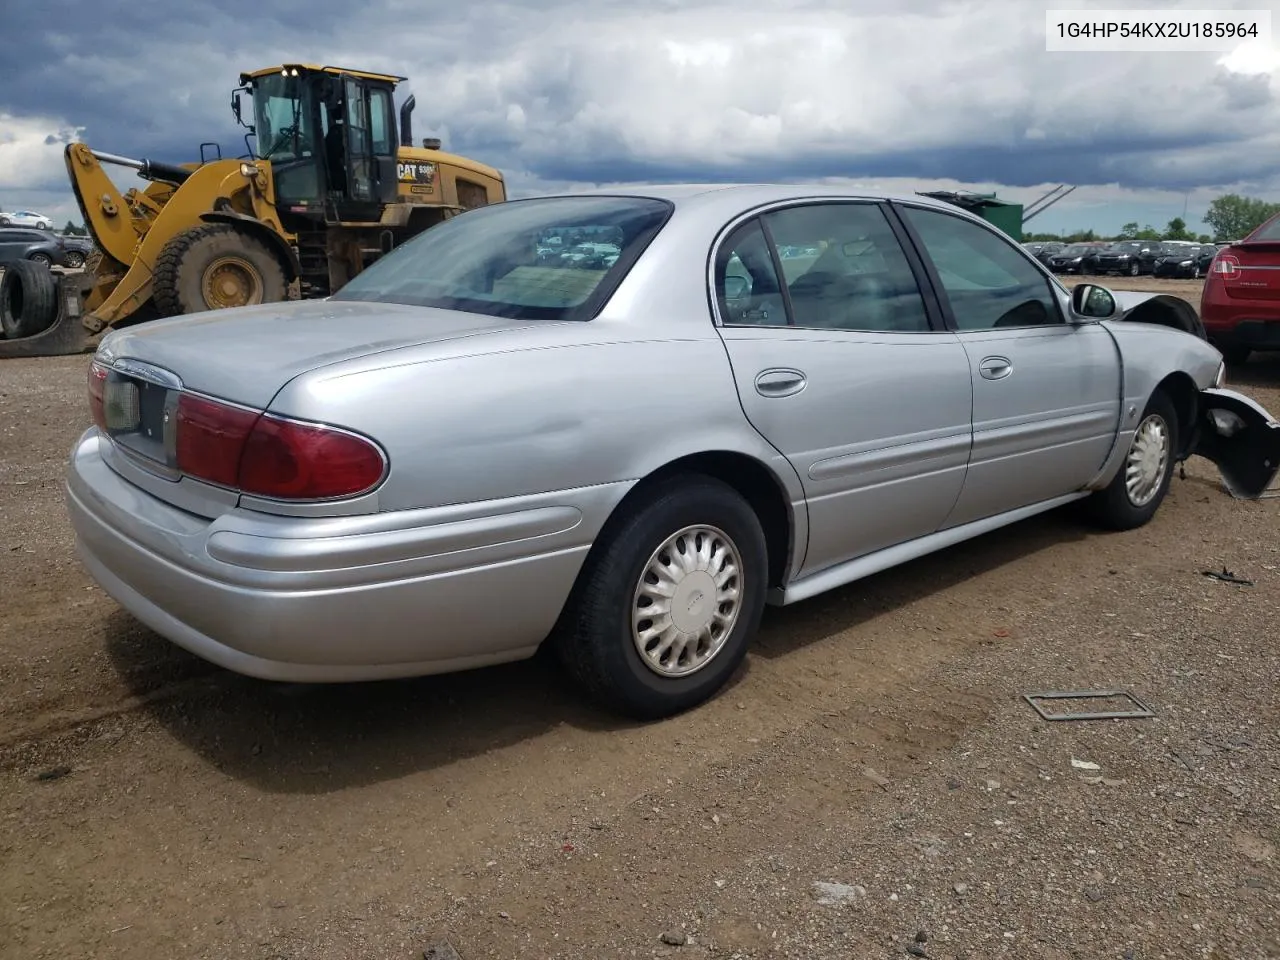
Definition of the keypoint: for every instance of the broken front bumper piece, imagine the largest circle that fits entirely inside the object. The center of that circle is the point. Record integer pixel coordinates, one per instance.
(1238, 435)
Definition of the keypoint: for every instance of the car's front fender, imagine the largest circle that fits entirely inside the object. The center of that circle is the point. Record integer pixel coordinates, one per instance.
(1159, 309)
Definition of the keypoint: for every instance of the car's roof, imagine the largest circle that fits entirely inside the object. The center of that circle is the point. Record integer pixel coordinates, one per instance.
(751, 194)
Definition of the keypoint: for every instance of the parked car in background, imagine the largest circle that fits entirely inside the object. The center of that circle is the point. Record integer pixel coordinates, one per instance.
(76, 250)
(1191, 261)
(1240, 300)
(41, 246)
(1043, 251)
(1130, 257)
(1075, 258)
(25, 218)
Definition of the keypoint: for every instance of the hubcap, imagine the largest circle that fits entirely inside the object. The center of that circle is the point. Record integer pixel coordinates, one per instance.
(687, 601)
(1148, 455)
(231, 282)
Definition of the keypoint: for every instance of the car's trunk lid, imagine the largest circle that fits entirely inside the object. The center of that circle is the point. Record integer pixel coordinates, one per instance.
(1250, 270)
(248, 354)
(242, 358)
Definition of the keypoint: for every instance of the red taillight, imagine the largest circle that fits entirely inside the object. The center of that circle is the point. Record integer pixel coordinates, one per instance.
(211, 438)
(97, 389)
(268, 456)
(298, 461)
(1225, 265)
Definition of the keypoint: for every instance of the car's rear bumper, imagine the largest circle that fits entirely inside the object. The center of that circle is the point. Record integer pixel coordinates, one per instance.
(335, 599)
(1255, 334)
(1234, 321)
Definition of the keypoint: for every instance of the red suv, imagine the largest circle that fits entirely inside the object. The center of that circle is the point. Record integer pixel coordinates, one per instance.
(1240, 302)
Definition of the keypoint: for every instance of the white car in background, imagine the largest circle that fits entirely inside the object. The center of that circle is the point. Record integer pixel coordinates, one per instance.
(25, 218)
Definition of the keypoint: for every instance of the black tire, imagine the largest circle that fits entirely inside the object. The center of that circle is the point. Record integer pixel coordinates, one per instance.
(74, 259)
(43, 259)
(1135, 269)
(1113, 507)
(4, 221)
(1196, 272)
(179, 280)
(28, 299)
(594, 639)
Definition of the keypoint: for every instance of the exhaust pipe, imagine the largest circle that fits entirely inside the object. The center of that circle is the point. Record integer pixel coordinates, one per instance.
(406, 122)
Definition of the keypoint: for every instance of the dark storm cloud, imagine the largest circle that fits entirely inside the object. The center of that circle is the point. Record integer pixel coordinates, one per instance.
(147, 79)
(594, 92)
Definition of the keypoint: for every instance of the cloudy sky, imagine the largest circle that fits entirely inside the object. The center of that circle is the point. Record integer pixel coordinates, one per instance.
(911, 95)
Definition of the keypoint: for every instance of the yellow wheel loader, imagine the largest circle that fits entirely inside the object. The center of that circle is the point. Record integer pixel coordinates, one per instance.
(331, 182)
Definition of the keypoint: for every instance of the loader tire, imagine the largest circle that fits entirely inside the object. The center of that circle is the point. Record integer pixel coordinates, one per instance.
(213, 267)
(28, 299)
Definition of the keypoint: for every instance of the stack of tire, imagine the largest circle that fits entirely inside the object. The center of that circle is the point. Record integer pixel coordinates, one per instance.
(28, 299)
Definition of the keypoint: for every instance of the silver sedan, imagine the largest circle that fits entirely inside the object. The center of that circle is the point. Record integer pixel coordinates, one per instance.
(473, 448)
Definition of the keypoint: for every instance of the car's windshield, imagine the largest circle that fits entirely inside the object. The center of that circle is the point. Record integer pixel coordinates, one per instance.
(545, 259)
(1130, 246)
(1076, 249)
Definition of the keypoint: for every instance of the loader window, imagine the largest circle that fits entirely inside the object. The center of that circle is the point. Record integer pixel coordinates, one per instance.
(380, 123)
(557, 258)
(282, 119)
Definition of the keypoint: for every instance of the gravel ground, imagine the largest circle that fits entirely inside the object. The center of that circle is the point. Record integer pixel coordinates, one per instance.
(871, 785)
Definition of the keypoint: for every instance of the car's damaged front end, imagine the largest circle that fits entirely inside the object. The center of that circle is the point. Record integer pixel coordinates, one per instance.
(1241, 438)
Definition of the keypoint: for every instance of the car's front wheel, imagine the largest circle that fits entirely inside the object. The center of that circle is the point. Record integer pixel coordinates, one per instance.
(41, 258)
(1134, 269)
(669, 599)
(1137, 490)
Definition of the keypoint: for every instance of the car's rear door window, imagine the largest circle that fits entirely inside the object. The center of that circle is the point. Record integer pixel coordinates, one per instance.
(840, 263)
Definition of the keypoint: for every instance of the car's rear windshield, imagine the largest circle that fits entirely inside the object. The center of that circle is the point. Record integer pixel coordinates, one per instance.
(551, 258)
(1268, 231)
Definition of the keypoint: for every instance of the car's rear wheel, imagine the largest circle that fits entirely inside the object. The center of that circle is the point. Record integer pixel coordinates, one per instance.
(668, 601)
(1139, 487)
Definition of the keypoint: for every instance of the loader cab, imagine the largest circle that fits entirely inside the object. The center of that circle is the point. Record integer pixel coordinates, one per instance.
(330, 136)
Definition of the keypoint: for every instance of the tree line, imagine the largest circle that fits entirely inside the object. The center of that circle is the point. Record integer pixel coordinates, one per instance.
(1231, 216)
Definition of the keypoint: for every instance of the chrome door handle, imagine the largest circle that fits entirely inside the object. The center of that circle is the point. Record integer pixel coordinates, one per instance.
(995, 368)
(780, 382)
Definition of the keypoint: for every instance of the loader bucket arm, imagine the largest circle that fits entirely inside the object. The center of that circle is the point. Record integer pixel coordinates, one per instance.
(106, 213)
(210, 187)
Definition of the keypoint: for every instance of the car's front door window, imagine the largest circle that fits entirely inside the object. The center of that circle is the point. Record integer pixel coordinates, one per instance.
(988, 281)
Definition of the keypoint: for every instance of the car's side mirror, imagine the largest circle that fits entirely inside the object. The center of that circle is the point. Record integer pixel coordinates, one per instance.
(1092, 302)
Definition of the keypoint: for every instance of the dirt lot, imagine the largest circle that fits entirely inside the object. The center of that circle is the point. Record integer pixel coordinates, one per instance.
(153, 806)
